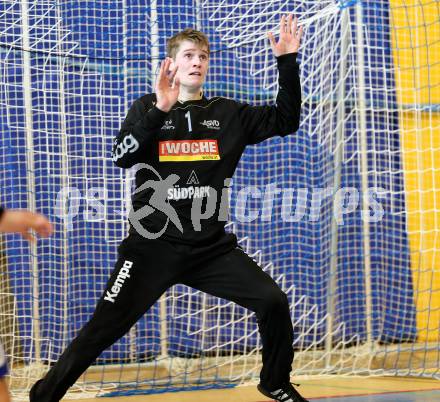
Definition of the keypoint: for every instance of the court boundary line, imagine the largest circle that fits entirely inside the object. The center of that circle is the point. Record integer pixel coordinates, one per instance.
(374, 393)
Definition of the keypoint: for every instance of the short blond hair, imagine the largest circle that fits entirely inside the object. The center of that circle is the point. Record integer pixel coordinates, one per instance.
(189, 34)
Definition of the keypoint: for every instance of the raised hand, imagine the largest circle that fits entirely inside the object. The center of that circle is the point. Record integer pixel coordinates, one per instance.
(290, 36)
(167, 86)
(20, 221)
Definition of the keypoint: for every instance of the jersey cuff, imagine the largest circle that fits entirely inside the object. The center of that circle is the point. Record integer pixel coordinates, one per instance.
(286, 59)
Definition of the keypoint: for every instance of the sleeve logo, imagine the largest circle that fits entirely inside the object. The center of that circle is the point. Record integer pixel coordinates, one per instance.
(128, 144)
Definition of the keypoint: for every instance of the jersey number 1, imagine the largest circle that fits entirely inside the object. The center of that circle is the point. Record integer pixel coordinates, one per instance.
(188, 116)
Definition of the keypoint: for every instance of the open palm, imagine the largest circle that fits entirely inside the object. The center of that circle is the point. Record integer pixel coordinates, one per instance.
(290, 36)
(167, 86)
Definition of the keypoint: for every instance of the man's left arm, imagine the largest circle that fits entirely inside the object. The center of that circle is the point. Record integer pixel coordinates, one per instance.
(262, 122)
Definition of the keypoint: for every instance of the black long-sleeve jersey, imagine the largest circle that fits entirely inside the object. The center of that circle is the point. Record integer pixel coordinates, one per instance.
(201, 142)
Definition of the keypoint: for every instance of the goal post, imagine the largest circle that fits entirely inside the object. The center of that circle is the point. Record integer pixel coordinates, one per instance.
(343, 214)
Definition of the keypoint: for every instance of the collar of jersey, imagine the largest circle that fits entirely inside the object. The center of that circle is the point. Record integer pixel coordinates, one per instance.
(193, 102)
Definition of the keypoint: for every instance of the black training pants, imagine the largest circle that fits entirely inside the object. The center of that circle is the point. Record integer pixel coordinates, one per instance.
(147, 268)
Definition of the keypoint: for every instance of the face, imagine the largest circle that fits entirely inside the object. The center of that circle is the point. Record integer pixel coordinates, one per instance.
(192, 62)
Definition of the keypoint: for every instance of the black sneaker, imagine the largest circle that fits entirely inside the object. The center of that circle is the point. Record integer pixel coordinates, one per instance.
(286, 393)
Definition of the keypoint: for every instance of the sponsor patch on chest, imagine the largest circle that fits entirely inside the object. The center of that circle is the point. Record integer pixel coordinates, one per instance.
(188, 150)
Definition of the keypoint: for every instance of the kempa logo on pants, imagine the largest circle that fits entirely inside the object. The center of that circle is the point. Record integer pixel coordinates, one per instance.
(120, 279)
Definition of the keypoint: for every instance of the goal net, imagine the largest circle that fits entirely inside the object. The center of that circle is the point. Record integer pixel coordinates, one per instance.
(343, 214)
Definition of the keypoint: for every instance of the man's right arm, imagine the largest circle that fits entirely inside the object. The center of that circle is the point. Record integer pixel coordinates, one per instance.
(136, 135)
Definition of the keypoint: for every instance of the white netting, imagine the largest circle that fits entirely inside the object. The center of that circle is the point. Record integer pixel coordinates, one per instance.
(364, 295)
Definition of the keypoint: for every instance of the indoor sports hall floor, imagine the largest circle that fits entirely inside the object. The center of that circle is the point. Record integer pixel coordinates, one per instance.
(341, 389)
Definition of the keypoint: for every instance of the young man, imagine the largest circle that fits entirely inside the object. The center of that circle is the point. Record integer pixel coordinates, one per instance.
(17, 221)
(194, 144)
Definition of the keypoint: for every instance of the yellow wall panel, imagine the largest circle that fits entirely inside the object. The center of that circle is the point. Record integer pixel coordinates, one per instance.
(420, 134)
(416, 50)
